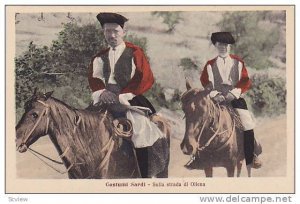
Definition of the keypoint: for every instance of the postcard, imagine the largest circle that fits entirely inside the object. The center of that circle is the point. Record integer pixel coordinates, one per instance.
(150, 99)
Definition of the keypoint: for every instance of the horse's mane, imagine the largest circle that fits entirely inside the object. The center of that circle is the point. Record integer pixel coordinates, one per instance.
(213, 109)
(68, 115)
(186, 96)
(82, 130)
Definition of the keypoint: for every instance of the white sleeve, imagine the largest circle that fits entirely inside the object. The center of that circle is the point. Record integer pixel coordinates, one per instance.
(210, 74)
(98, 68)
(236, 92)
(213, 93)
(96, 96)
(124, 98)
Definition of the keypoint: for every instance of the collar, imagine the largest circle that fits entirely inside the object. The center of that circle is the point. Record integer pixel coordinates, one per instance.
(120, 47)
(222, 59)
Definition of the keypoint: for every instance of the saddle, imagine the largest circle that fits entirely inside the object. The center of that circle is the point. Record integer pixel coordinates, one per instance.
(121, 125)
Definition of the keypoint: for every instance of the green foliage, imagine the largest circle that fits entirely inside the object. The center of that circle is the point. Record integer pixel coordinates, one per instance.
(140, 41)
(175, 103)
(255, 36)
(170, 18)
(188, 64)
(63, 66)
(267, 96)
(158, 99)
(156, 96)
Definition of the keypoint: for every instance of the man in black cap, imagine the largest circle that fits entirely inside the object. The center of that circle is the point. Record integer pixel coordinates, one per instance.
(121, 74)
(228, 78)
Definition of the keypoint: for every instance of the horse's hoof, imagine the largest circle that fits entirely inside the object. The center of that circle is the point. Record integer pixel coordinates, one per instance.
(192, 166)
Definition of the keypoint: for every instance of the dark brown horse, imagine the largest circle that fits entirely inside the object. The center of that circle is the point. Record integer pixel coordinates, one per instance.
(86, 141)
(211, 137)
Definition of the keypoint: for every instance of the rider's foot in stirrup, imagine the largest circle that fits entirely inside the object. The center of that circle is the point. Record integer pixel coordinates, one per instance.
(256, 164)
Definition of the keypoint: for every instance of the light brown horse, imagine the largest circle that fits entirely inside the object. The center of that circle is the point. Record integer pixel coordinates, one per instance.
(211, 136)
(86, 141)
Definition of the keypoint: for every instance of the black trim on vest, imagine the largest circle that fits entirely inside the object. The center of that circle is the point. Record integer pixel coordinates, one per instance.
(123, 67)
(106, 67)
(218, 81)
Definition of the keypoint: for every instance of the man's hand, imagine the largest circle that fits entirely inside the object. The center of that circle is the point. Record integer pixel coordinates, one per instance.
(229, 97)
(108, 97)
(114, 88)
(218, 98)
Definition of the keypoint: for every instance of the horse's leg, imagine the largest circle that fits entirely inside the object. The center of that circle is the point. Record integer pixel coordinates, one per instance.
(249, 170)
(163, 174)
(239, 168)
(208, 171)
(230, 170)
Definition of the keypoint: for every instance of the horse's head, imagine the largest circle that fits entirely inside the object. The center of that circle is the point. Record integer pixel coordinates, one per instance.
(194, 105)
(34, 122)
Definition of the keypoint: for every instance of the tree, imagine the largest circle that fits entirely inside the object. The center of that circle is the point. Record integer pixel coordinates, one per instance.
(255, 36)
(170, 18)
(63, 66)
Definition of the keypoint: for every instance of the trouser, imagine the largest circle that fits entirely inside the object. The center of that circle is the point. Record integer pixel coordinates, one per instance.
(141, 153)
(248, 134)
(142, 158)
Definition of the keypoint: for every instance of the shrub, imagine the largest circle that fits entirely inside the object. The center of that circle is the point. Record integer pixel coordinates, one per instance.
(255, 36)
(267, 96)
(62, 67)
(140, 41)
(188, 64)
(170, 18)
(157, 96)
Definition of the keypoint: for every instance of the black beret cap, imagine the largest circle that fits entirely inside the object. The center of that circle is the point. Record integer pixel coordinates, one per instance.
(222, 37)
(111, 18)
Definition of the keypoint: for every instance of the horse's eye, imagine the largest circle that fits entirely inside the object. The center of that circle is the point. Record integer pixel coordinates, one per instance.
(35, 115)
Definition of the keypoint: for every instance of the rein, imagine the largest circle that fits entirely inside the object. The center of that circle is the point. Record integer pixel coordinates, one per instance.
(36, 153)
(216, 133)
(107, 147)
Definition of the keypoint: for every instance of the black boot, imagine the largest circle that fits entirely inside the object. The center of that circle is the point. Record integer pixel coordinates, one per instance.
(250, 157)
(142, 158)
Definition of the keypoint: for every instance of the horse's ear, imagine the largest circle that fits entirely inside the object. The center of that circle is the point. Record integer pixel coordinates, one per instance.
(48, 94)
(187, 84)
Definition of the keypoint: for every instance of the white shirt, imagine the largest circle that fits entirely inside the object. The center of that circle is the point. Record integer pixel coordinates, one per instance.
(225, 65)
(113, 55)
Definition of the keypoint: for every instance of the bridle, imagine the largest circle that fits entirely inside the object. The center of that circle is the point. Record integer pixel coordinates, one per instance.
(44, 113)
(108, 147)
(216, 133)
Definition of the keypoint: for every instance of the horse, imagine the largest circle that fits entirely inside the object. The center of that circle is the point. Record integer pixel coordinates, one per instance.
(213, 134)
(86, 141)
